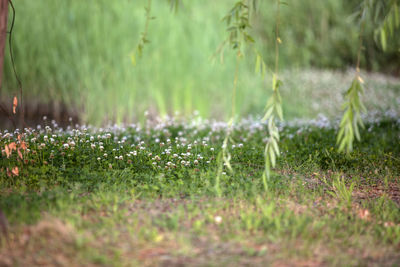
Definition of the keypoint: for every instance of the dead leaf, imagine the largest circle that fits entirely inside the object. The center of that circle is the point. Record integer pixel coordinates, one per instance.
(15, 104)
(364, 214)
(7, 150)
(23, 145)
(15, 171)
(389, 224)
(12, 146)
(20, 154)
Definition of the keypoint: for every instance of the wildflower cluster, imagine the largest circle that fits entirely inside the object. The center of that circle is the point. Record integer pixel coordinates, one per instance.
(163, 146)
(169, 146)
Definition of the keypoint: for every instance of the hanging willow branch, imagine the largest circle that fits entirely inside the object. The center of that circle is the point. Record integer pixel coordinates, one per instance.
(238, 27)
(143, 36)
(390, 23)
(386, 15)
(238, 24)
(353, 106)
(174, 5)
(273, 110)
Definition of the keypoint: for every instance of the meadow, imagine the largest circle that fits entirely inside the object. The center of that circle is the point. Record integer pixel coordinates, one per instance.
(136, 177)
(144, 195)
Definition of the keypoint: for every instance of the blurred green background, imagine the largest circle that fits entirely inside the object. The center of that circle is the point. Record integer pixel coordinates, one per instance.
(79, 53)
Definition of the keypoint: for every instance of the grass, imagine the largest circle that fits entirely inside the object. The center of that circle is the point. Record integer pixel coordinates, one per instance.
(144, 194)
(79, 53)
(151, 200)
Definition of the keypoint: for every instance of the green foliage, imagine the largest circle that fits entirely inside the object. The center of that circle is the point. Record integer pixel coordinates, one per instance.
(174, 4)
(260, 66)
(137, 204)
(383, 17)
(326, 38)
(353, 106)
(390, 23)
(273, 112)
(273, 109)
(143, 36)
(341, 191)
(351, 119)
(79, 52)
(57, 157)
(238, 23)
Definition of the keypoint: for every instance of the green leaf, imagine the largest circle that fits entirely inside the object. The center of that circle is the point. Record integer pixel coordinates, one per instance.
(275, 134)
(383, 39)
(396, 15)
(133, 59)
(340, 135)
(389, 21)
(279, 111)
(258, 63)
(342, 145)
(248, 38)
(266, 149)
(278, 84)
(264, 68)
(274, 79)
(348, 128)
(268, 114)
(275, 146)
(272, 157)
(345, 118)
(356, 132)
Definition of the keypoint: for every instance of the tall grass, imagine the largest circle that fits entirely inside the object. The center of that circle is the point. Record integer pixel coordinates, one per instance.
(79, 52)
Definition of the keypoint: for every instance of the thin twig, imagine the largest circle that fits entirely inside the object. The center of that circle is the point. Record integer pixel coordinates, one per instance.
(13, 64)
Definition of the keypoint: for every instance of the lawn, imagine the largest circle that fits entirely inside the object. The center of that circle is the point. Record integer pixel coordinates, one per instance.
(181, 186)
(145, 195)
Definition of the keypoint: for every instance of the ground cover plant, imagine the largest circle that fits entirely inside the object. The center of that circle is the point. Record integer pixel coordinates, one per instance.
(145, 195)
(191, 191)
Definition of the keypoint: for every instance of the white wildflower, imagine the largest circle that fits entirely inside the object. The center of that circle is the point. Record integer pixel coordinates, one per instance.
(217, 219)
